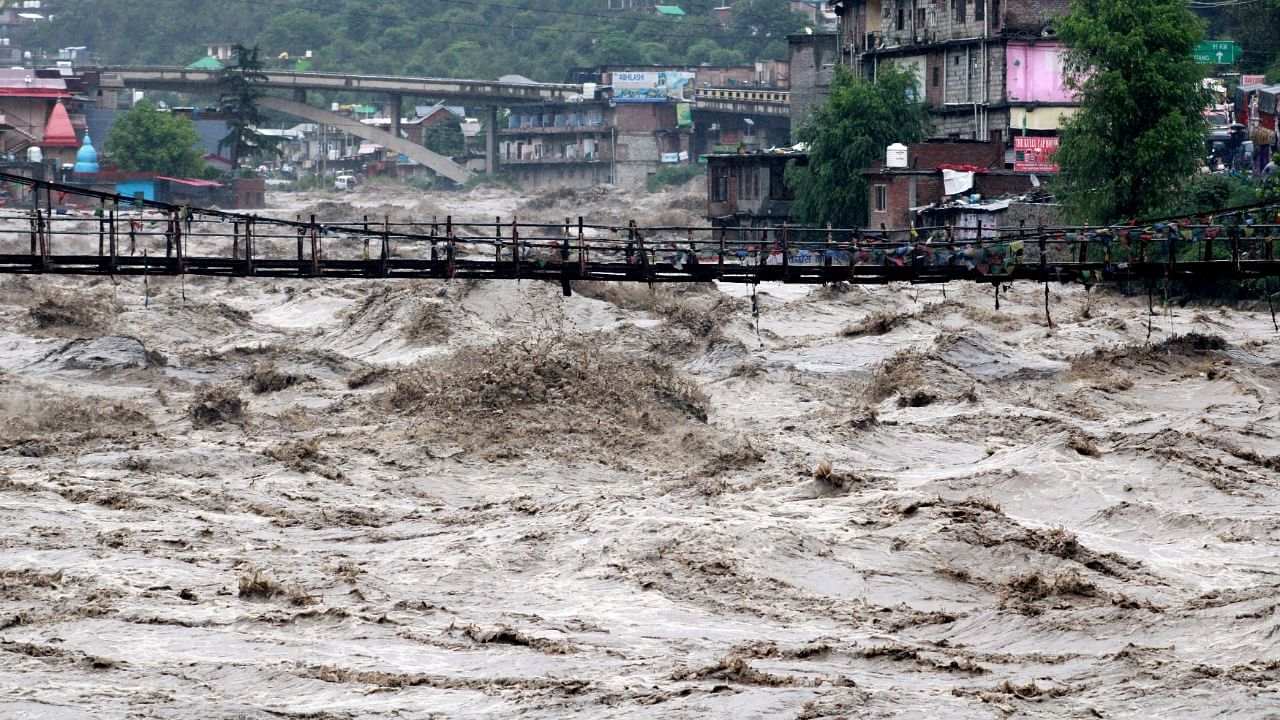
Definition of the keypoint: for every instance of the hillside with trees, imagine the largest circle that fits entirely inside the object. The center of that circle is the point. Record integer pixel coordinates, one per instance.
(450, 38)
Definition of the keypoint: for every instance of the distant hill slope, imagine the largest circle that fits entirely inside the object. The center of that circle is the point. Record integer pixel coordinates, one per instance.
(453, 38)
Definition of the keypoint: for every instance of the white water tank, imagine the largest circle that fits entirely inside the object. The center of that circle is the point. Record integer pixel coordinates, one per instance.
(589, 91)
(895, 156)
(35, 155)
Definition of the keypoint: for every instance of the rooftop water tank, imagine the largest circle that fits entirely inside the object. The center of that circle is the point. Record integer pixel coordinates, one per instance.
(896, 156)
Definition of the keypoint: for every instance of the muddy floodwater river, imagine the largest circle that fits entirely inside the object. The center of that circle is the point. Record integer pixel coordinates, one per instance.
(357, 499)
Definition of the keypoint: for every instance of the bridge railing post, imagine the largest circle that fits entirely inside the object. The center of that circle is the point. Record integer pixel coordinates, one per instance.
(315, 247)
(564, 246)
(301, 232)
(582, 249)
(515, 246)
(113, 240)
(1235, 244)
(1044, 253)
(497, 239)
(786, 252)
(450, 257)
(432, 240)
(384, 256)
(828, 251)
(248, 243)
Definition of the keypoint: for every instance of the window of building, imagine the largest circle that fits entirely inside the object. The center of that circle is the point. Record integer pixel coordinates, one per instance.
(902, 19)
(979, 9)
(937, 75)
(960, 10)
(995, 13)
(919, 20)
(881, 198)
(720, 187)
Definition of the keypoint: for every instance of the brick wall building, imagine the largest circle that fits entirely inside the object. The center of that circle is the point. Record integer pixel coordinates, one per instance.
(893, 192)
(964, 55)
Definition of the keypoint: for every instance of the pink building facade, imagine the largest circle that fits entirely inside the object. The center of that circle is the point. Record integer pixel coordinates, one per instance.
(1033, 72)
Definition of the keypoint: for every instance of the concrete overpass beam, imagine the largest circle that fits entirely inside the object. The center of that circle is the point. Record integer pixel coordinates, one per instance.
(441, 165)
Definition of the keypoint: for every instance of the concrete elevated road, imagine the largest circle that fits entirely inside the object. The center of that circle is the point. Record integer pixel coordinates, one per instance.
(491, 94)
(476, 92)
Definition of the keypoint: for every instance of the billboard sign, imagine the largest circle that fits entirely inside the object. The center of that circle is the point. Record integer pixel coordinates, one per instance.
(1034, 154)
(1216, 52)
(650, 87)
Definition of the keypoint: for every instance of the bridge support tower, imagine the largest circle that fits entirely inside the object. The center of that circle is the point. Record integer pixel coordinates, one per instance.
(491, 141)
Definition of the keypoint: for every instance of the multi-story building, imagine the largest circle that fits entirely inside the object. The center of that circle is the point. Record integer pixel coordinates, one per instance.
(987, 68)
(564, 144)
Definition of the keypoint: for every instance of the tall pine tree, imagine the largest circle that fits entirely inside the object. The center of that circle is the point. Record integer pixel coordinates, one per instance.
(239, 102)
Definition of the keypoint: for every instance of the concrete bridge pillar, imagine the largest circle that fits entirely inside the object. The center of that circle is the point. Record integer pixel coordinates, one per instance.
(491, 141)
(394, 110)
(300, 95)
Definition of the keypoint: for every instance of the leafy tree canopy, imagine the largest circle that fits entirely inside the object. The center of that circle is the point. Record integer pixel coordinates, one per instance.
(847, 134)
(445, 137)
(148, 140)
(1131, 150)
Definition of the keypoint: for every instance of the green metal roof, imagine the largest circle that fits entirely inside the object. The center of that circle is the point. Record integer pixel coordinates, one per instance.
(208, 62)
(669, 9)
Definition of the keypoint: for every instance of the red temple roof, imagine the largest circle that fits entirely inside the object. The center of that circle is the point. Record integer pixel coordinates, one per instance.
(59, 133)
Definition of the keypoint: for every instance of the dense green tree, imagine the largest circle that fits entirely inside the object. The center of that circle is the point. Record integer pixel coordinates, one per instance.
(847, 134)
(764, 26)
(239, 101)
(1131, 149)
(542, 40)
(445, 137)
(148, 140)
(293, 33)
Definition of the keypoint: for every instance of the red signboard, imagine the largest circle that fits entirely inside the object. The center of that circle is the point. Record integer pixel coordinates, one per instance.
(1034, 154)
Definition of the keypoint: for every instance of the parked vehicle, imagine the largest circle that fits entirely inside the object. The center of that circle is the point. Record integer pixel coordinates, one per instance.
(344, 181)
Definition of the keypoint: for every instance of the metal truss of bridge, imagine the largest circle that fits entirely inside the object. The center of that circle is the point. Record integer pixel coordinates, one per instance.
(93, 233)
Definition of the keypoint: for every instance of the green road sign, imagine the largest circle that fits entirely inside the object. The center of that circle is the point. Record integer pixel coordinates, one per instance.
(1216, 52)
